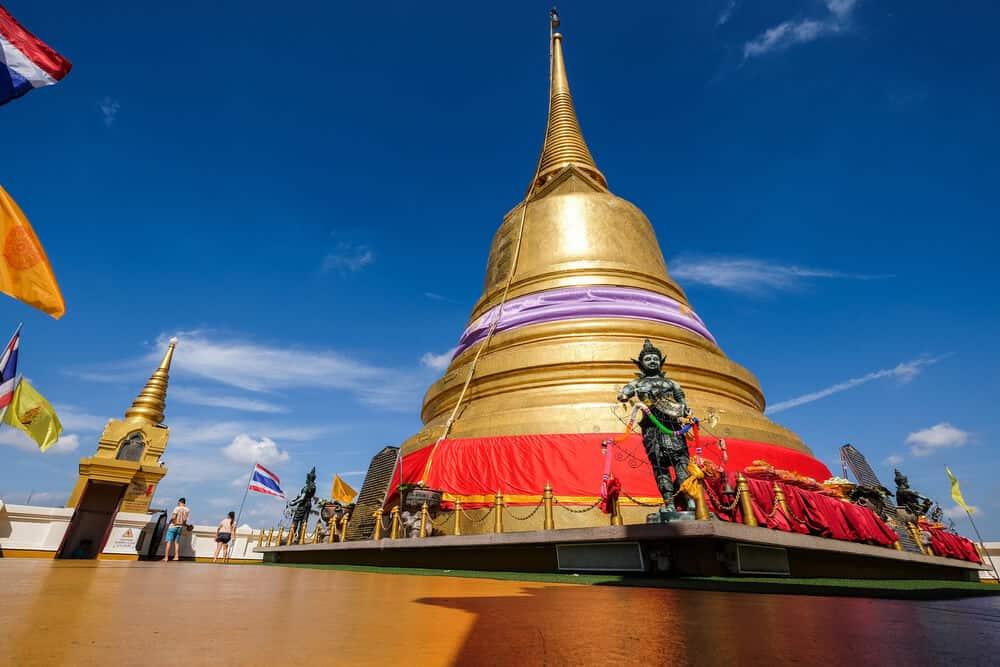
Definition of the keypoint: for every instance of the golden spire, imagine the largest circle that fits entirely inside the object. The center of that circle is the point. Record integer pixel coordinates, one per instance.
(152, 400)
(564, 144)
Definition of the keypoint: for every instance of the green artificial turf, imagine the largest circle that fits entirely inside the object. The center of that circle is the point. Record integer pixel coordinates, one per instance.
(917, 589)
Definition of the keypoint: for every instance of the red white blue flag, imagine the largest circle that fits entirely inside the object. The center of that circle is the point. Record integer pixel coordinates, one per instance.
(26, 62)
(8, 370)
(263, 480)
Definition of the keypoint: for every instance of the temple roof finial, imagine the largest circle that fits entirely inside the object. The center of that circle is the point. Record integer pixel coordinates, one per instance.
(151, 402)
(564, 144)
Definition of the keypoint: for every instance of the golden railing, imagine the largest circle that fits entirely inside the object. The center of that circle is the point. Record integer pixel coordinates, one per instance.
(391, 527)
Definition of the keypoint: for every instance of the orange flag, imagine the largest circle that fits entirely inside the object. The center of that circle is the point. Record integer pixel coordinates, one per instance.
(25, 272)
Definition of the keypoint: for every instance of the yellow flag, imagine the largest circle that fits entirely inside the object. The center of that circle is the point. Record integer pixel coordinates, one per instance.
(30, 412)
(25, 272)
(342, 491)
(956, 493)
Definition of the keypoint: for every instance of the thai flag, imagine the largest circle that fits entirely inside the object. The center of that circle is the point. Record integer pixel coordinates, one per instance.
(26, 62)
(263, 480)
(8, 370)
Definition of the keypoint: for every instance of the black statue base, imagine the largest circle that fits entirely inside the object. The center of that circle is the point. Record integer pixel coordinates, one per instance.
(666, 516)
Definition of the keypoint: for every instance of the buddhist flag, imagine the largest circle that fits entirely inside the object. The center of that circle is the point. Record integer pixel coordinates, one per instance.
(956, 493)
(25, 272)
(342, 492)
(30, 412)
(26, 62)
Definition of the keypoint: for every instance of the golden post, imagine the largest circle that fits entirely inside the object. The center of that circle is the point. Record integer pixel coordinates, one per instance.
(746, 503)
(281, 531)
(498, 509)
(779, 498)
(550, 523)
(331, 530)
(302, 533)
(343, 527)
(270, 536)
(315, 538)
(378, 524)
(616, 513)
(425, 517)
(700, 507)
(394, 534)
(458, 517)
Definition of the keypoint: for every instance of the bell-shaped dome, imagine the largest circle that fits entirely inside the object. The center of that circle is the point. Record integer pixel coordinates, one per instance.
(575, 282)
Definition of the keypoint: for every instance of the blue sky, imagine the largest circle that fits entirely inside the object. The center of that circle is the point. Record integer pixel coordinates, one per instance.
(307, 198)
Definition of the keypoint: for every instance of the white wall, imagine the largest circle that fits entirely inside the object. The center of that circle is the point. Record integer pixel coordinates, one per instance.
(26, 527)
(992, 558)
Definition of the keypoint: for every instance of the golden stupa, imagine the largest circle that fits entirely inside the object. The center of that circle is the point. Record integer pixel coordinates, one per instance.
(575, 283)
(129, 451)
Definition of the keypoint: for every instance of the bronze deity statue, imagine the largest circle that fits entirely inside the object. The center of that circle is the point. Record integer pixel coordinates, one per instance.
(665, 400)
(301, 505)
(910, 500)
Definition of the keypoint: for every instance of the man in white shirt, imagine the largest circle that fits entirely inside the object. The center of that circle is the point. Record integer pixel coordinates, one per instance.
(178, 521)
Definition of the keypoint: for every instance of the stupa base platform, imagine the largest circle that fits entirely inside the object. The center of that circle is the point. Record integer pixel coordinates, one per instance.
(682, 548)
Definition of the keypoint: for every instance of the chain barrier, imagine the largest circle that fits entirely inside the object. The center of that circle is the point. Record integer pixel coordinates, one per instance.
(794, 517)
(480, 519)
(639, 502)
(583, 510)
(532, 513)
(718, 503)
(444, 519)
(774, 508)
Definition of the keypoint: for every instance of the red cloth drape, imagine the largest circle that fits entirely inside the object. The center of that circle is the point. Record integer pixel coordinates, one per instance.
(520, 466)
(951, 545)
(811, 513)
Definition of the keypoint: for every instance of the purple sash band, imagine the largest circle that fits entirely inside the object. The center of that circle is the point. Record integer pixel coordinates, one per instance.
(570, 303)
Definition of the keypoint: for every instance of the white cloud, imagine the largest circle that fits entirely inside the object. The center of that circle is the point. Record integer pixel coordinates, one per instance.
(726, 13)
(187, 433)
(893, 460)
(109, 110)
(261, 368)
(802, 31)
(939, 436)
(244, 449)
(257, 367)
(198, 397)
(752, 276)
(348, 258)
(956, 512)
(841, 8)
(438, 362)
(18, 439)
(47, 498)
(903, 372)
(76, 419)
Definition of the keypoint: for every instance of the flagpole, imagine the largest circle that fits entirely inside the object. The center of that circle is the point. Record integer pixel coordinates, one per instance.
(983, 545)
(236, 528)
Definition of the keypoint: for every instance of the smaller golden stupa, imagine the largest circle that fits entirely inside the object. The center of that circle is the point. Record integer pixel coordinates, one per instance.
(128, 453)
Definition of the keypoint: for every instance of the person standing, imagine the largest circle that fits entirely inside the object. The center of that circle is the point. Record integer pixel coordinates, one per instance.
(224, 533)
(178, 522)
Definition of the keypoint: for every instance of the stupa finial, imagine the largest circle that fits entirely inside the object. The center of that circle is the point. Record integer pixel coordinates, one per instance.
(564, 144)
(151, 402)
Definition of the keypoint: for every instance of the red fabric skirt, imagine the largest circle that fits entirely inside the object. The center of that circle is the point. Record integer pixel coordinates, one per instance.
(809, 512)
(520, 466)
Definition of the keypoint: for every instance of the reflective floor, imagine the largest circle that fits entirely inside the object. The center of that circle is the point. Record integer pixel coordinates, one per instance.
(117, 613)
